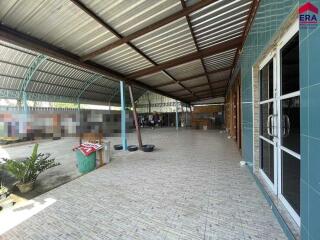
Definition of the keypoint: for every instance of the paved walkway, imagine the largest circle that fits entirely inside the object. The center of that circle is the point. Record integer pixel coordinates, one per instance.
(191, 187)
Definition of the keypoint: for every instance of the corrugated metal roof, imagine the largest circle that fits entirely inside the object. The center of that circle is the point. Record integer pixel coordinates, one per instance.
(197, 89)
(131, 15)
(168, 42)
(186, 70)
(172, 87)
(123, 59)
(195, 81)
(60, 23)
(155, 79)
(219, 76)
(181, 93)
(221, 60)
(220, 21)
(53, 77)
(64, 24)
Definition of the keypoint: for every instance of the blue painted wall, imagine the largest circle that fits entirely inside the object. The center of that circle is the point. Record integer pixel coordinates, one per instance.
(270, 15)
(310, 130)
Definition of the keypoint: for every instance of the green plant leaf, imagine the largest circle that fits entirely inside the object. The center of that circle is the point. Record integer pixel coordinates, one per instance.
(29, 169)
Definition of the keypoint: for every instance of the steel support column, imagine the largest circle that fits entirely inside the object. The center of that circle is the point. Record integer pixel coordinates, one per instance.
(123, 115)
(182, 117)
(135, 117)
(177, 116)
(186, 112)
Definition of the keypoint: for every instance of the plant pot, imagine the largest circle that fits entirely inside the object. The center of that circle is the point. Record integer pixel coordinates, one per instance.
(25, 187)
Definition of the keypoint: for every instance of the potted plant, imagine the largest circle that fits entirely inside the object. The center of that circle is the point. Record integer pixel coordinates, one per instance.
(27, 171)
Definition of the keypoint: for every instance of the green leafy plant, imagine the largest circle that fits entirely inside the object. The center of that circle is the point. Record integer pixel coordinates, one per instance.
(27, 171)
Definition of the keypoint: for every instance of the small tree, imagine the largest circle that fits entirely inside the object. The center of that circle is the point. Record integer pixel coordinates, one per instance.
(27, 171)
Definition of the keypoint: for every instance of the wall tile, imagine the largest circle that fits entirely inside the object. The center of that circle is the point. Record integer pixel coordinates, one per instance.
(314, 60)
(304, 233)
(314, 113)
(304, 158)
(304, 62)
(314, 214)
(304, 111)
(314, 164)
(304, 203)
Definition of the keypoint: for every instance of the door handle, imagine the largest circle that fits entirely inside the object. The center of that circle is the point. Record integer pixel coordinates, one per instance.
(269, 131)
(273, 127)
(287, 125)
(270, 127)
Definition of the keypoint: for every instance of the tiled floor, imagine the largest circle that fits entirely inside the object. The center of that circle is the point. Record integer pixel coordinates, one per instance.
(191, 187)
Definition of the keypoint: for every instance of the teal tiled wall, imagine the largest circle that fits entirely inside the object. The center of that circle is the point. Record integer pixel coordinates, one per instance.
(310, 130)
(270, 15)
(268, 19)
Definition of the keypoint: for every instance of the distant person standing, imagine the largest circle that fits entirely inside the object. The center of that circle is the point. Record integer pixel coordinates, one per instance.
(141, 121)
(156, 119)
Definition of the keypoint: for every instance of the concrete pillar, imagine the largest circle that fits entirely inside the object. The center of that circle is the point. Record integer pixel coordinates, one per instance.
(123, 115)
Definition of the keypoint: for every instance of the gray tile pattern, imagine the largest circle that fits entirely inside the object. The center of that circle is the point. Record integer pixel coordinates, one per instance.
(191, 187)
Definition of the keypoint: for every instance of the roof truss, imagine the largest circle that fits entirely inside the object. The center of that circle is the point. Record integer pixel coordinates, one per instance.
(150, 28)
(221, 47)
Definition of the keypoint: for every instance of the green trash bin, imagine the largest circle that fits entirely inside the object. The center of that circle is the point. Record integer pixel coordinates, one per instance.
(85, 163)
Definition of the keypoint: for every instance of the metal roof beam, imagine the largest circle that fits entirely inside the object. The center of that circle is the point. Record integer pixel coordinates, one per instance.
(208, 95)
(12, 36)
(87, 84)
(221, 47)
(194, 77)
(184, 6)
(113, 31)
(35, 96)
(251, 16)
(201, 85)
(150, 28)
(37, 61)
(31, 43)
(204, 91)
(53, 74)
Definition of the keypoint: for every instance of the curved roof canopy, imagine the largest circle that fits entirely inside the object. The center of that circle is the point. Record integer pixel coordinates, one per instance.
(52, 79)
(184, 49)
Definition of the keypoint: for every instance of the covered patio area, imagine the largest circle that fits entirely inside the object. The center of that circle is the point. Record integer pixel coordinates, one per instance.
(183, 190)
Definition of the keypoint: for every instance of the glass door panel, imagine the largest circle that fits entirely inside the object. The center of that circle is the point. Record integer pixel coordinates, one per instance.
(267, 159)
(290, 66)
(266, 81)
(291, 180)
(290, 124)
(289, 102)
(267, 114)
